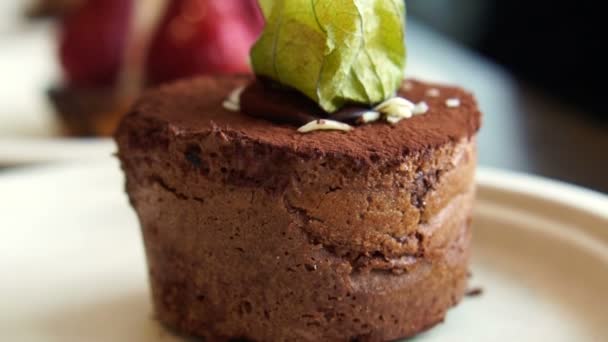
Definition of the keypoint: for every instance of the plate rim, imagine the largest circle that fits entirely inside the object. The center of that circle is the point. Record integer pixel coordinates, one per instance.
(544, 189)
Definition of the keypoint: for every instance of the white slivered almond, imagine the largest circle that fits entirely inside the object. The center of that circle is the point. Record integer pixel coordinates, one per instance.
(231, 106)
(452, 103)
(235, 95)
(370, 116)
(421, 108)
(433, 92)
(324, 124)
(393, 120)
(400, 108)
(394, 102)
(400, 112)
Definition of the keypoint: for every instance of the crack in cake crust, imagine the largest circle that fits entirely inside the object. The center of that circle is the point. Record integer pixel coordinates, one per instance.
(418, 243)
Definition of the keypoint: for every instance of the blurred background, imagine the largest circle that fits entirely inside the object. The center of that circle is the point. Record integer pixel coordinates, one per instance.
(70, 68)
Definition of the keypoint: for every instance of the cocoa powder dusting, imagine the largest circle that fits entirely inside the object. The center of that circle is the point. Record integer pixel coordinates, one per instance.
(194, 107)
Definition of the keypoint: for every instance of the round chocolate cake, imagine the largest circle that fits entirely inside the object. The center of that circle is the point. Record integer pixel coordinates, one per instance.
(255, 231)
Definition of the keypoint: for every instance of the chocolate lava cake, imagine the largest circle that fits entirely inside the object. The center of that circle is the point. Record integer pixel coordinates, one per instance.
(255, 231)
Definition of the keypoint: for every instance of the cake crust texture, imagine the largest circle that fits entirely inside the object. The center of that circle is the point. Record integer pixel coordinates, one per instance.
(255, 231)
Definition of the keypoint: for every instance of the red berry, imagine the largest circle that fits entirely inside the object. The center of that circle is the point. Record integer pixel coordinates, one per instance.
(202, 37)
(93, 41)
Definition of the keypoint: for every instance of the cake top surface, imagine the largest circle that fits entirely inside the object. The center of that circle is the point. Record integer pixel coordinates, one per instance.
(194, 107)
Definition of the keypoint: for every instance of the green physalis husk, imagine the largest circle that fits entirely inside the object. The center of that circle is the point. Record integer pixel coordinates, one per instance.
(333, 51)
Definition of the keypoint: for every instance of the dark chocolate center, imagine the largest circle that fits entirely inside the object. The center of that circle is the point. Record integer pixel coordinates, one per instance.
(267, 100)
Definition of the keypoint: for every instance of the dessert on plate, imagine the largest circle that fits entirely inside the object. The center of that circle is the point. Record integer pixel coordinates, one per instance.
(323, 199)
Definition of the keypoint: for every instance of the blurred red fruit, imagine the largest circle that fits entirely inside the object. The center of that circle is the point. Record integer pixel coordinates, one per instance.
(202, 37)
(92, 42)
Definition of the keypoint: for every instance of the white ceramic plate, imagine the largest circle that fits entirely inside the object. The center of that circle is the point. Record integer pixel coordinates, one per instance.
(20, 151)
(72, 265)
